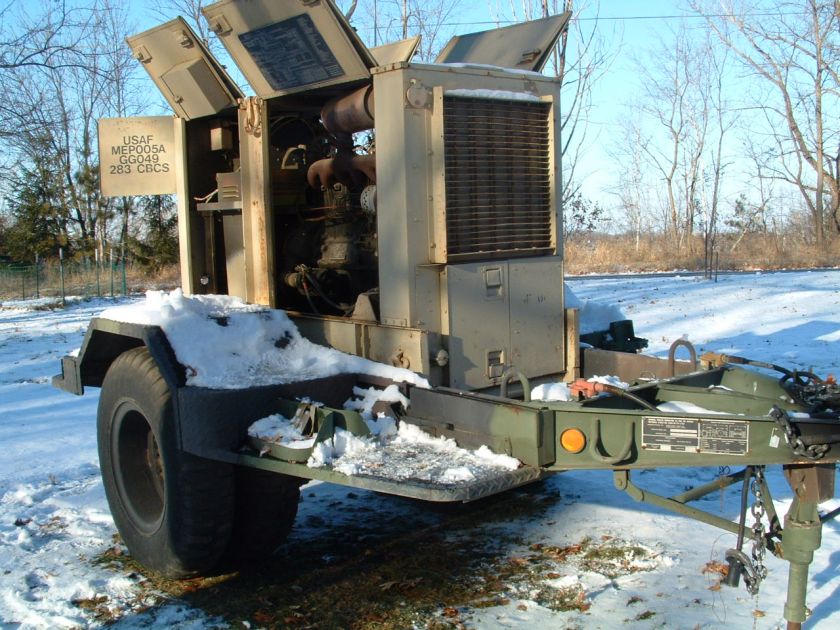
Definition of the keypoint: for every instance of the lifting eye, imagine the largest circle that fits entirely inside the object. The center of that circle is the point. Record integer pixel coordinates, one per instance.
(573, 440)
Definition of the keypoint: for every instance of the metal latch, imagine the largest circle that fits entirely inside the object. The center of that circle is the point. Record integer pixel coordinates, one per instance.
(142, 54)
(183, 38)
(529, 55)
(495, 363)
(220, 26)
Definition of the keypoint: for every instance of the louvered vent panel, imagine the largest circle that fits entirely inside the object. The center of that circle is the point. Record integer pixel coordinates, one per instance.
(498, 178)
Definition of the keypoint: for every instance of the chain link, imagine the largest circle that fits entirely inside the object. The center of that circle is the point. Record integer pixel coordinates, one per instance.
(758, 512)
(814, 451)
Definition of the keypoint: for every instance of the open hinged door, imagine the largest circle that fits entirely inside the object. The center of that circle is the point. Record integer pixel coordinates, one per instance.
(288, 47)
(186, 73)
(396, 52)
(523, 46)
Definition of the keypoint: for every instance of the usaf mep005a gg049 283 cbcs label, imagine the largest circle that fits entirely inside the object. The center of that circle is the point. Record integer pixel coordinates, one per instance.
(137, 155)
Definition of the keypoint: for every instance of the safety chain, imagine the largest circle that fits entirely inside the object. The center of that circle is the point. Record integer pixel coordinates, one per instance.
(753, 580)
(814, 451)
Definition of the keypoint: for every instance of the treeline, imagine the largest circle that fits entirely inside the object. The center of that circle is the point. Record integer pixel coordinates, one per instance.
(62, 68)
(736, 128)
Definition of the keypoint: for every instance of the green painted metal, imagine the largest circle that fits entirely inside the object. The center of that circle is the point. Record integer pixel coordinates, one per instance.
(621, 432)
(621, 478)
(801, 537)
(412, 488)
(324, 422)
(718, 484)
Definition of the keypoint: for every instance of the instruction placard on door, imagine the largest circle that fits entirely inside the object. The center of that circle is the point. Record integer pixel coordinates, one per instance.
(137, 156)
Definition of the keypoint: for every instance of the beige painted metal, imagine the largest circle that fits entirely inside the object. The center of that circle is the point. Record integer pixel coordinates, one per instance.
(537, 315)
(525, 46)
(234, 255)
(462, 324)
(137, 156)
(628, 367)
(192, 81)
(396, 52)
(414, 288)
(505, 313)
(573, 352)
(413, 349)
(189, 243)
(319, 48)
(257, 216)
(479, 323)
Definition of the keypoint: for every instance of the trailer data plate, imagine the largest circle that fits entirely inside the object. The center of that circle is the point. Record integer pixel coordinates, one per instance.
(695, 435)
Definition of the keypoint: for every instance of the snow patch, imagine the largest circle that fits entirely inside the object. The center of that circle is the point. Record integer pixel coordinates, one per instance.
(225, 343)
(594, 315)
(500, 95)
(681, 406)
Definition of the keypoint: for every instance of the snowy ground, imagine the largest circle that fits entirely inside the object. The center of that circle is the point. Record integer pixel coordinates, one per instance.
(55, 527)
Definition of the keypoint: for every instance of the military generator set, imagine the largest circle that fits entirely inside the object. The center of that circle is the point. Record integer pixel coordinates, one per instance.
(407, 213)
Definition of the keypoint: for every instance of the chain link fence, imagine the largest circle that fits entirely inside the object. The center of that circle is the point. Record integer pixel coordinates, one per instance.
(62, 279)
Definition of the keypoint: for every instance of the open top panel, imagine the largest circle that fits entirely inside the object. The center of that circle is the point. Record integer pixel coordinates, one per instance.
(288, 46)
(396, 52)
(192, 81)
(523, 46)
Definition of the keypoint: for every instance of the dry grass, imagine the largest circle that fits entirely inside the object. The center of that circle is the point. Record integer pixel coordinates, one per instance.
(584, 254)
(621, 254)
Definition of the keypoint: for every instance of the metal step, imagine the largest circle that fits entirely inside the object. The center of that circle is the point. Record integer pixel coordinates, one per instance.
(489, 483)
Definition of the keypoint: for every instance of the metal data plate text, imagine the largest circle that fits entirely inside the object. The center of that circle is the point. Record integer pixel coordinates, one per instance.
(137, 156)
(695, 435)
(283, 47)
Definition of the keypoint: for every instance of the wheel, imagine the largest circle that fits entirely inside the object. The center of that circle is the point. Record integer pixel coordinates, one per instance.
(266, 507)
(173, 510)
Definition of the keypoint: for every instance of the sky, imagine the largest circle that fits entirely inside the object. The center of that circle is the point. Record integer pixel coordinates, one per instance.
(56, 532)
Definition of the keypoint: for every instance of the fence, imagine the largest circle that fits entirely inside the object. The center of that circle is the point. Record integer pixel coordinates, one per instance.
(62, 278)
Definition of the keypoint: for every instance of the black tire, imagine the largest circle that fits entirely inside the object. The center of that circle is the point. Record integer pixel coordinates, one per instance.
(173, 510)
(266, 507)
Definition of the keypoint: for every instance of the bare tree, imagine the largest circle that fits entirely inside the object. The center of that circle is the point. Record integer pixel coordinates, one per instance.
(42, 39)
(62, 103)
(48, 39)
(678, 112)
(722, 119)
(383, 21)
(794, 52)
(632, 190)
(190, 10)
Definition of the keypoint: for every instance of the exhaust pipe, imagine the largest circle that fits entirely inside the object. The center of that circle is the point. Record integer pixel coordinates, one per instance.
(350, 113)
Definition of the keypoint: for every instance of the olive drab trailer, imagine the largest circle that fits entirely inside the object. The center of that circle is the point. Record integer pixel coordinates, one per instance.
(408, 213)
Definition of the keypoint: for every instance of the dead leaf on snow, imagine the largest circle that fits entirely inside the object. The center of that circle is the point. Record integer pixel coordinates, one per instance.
(716, 567)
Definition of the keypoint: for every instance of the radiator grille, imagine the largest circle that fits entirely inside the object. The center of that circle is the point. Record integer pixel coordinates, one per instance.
(498, 178)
